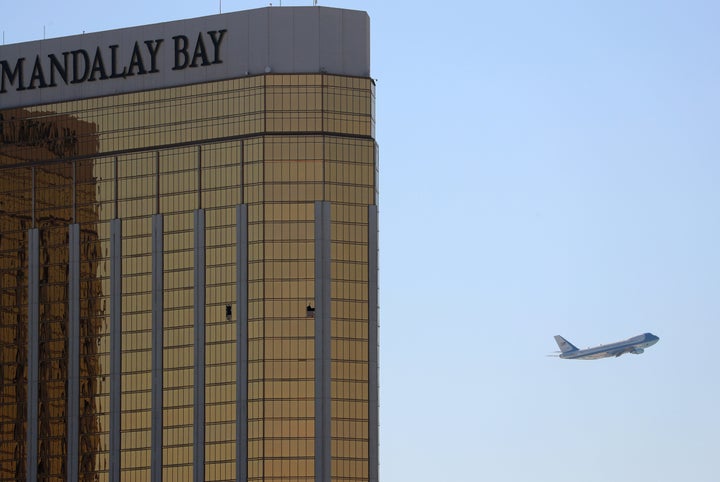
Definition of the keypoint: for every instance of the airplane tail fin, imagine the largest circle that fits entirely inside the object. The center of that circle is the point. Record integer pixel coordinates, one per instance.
(565, 346)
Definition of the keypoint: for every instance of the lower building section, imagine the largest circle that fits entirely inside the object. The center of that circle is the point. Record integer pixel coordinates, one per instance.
(204, 312)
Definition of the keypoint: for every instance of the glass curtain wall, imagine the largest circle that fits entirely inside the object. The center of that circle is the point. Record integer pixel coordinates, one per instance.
(275, 143)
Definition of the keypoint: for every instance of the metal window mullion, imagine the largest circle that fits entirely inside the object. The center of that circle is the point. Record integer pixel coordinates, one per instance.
(373, 381)
(242, 343)
(115, 346)
(322, 343)
(73, 386)
(156, 462)
(199, 368)
(33, 352)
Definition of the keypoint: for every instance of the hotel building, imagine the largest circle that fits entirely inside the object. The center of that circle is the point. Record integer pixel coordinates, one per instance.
(189, 252)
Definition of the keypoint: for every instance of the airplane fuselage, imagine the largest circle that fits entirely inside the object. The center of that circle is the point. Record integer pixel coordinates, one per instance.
(635, 345)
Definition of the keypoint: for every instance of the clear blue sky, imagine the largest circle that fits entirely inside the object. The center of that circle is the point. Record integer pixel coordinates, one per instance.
(547, 167)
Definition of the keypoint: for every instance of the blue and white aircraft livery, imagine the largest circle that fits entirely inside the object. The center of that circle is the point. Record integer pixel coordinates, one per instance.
(634, 345)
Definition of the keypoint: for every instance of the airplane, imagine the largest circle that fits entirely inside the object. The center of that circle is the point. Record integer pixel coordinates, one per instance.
(634, 345)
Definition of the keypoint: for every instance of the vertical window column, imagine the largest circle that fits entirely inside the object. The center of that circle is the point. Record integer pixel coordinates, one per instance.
(33, 351)
(156, 436)
(73, 384)
(242, 343)
(199, 369)
(373, 404)
(115, 345)
(322, 343)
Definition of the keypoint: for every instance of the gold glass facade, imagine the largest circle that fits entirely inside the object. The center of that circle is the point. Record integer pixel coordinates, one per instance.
(276, 144)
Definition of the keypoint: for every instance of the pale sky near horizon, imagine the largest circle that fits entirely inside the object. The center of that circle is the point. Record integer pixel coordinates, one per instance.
(547, 167)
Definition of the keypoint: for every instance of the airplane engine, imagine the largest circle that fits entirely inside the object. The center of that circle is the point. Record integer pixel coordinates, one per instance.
(637, 351)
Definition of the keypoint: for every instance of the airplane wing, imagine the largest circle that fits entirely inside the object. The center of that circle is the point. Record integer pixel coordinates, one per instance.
(627, 349)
